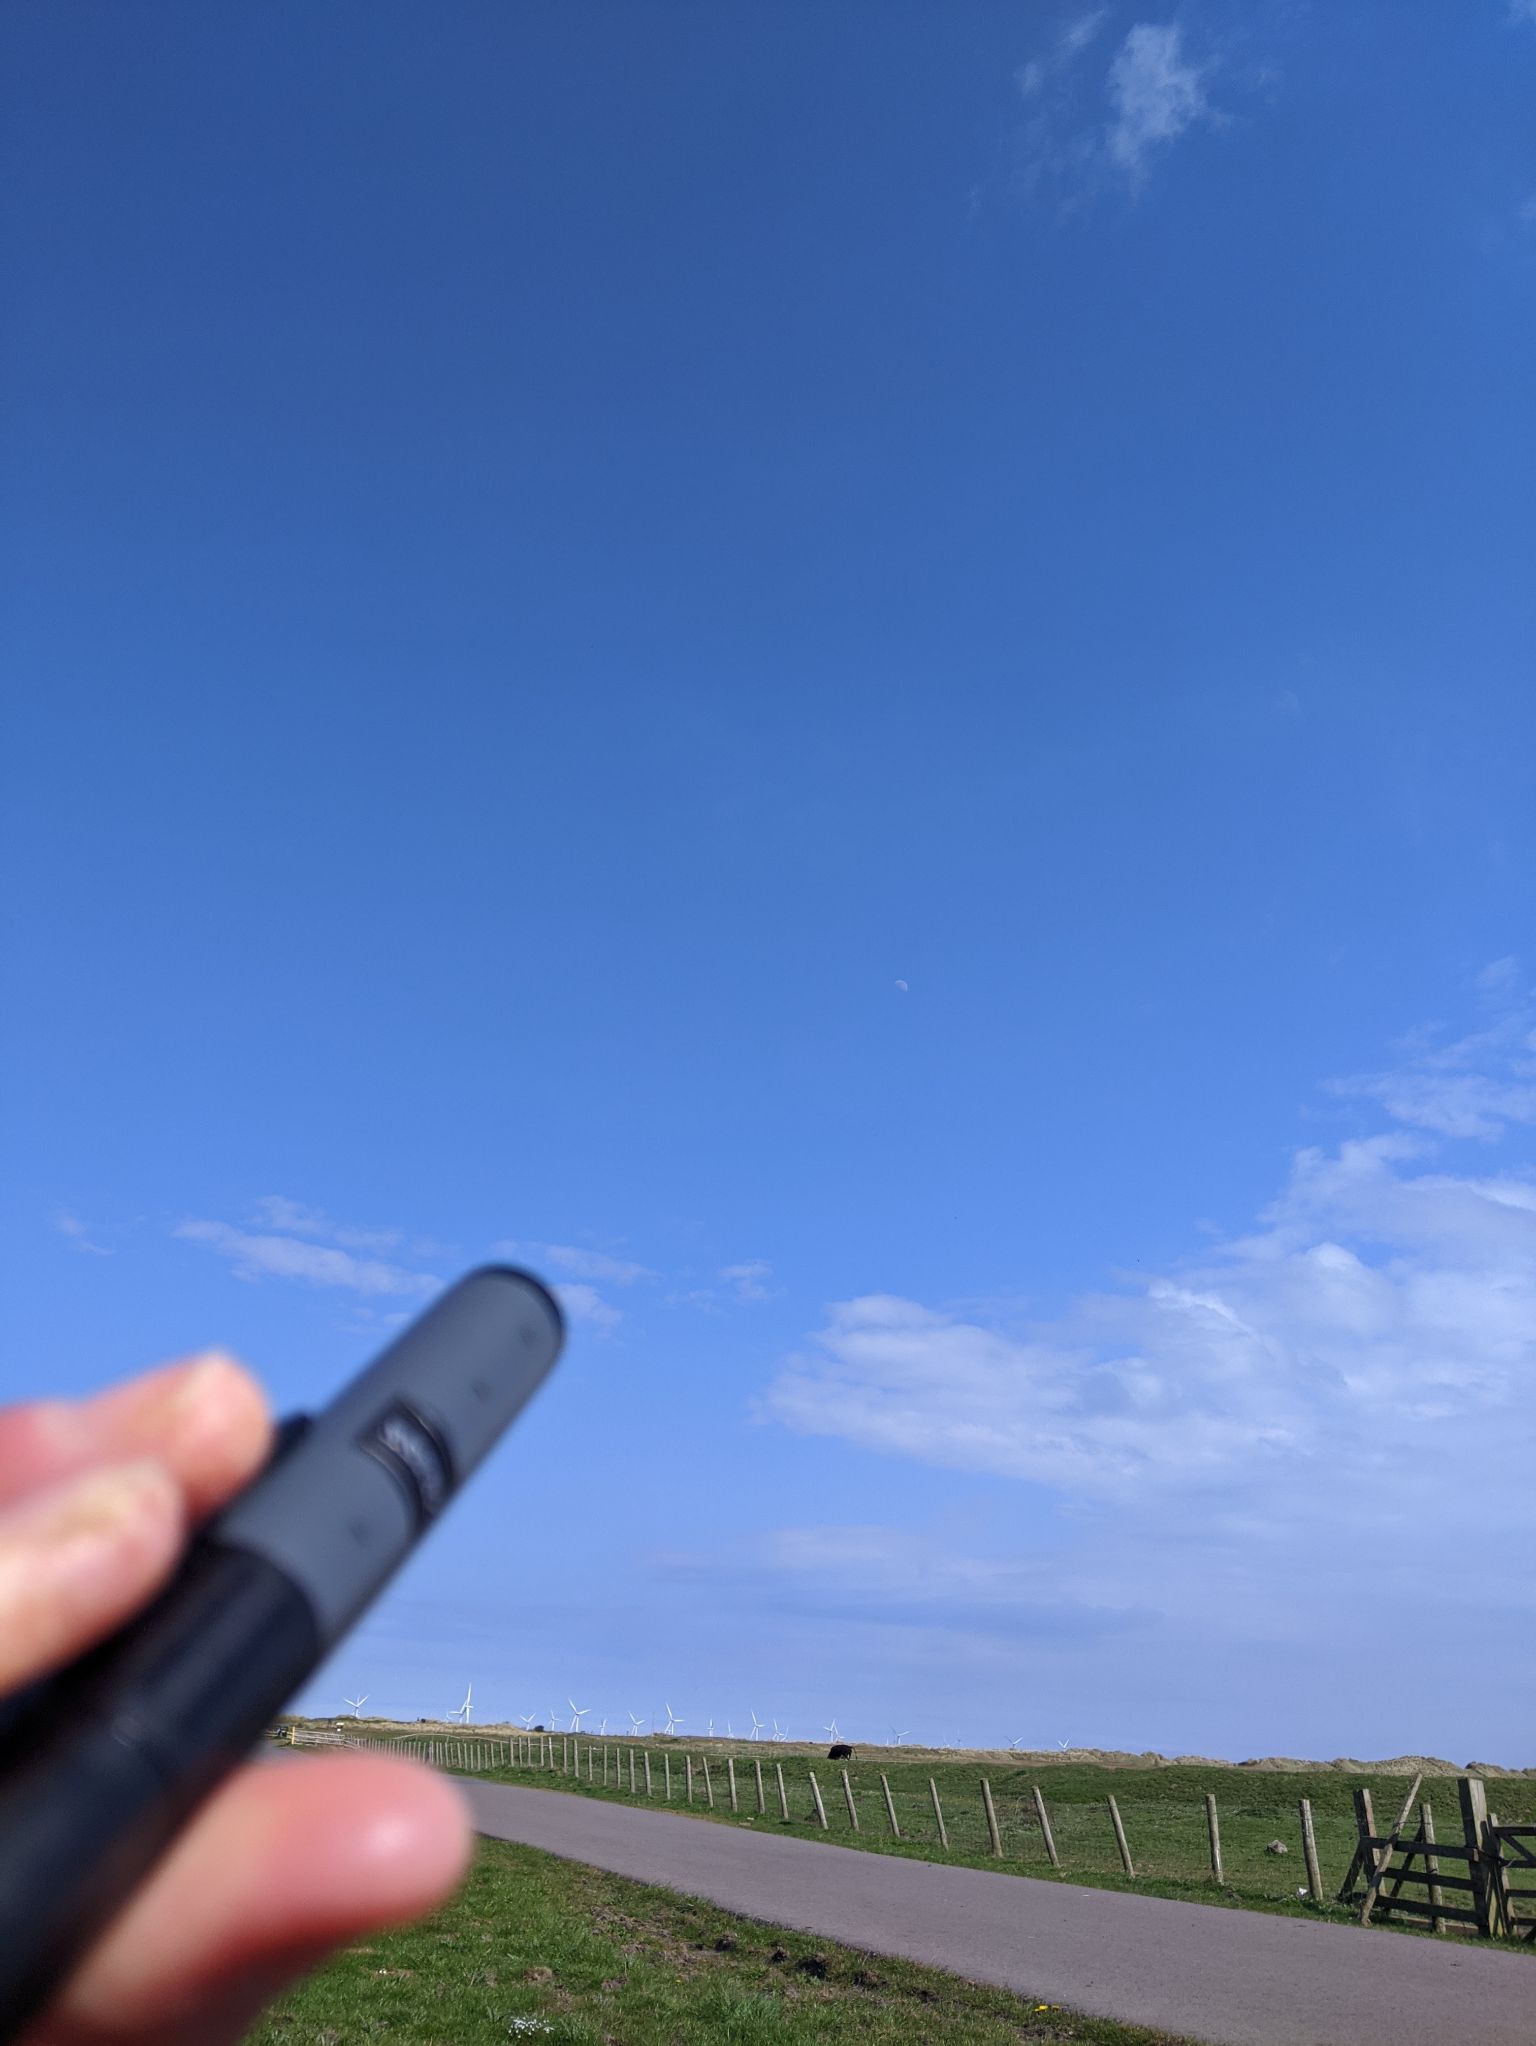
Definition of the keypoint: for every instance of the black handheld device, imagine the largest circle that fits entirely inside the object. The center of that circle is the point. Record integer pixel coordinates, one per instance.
(102, 1765)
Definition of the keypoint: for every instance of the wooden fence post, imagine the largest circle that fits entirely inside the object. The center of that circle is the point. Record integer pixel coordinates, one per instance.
(1309, 1851)
(938, 1812)
(605, 1768)
(730, 1777)
(1473, 1800)
(1431, 1865)
(757, 1770)
(1365, 1827)
(853, 1810)
(1213, 1835)
(689, 1761)
(1120, 1839)
(709, 1788)
(778, 1770)
(821, 1810)
(666, 1765)
(890, 1807)
(991, 1811)
(646, 1758)
(631, 1772)
(1486, 1870)
(1045, 1826)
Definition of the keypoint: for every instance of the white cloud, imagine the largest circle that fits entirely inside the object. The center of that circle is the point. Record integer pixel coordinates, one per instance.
(1475, 1086)
(585, 1304)
(1156, 93)
(293, 1218)
(1375, 1306)
(1522, 10)
(1331, 1409)
(1066, 149)
(69, 1224)
(576, 1262)
(1070, 42)
(253, 1254)
(749, 1281)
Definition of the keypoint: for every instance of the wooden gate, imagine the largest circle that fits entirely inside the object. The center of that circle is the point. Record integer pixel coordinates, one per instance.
(1493, 1893)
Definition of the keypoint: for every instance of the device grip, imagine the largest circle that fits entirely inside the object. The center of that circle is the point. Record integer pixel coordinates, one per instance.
(104, 1769)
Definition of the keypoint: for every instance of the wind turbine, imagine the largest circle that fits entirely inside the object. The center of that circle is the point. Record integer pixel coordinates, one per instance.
(526, 1718)
(463, 1710)
(673, 1722)
(1063, 1745)
(635, 1724)
(757, 1727)
(780, 1734)
(898, 1737)
(578, 1714)
(357, 1705)
(709, 1731)
(831, 1731)
(604, 1727)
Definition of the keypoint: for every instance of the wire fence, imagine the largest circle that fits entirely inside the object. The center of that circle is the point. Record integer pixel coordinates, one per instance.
(943, 1811)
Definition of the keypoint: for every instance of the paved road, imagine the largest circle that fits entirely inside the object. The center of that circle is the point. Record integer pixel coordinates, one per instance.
(1237, 1977)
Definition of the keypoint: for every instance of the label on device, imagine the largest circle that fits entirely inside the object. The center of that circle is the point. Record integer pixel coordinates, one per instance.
(413, 1453)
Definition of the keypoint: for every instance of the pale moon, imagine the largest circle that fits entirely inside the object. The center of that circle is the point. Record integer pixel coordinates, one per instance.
(903, 986)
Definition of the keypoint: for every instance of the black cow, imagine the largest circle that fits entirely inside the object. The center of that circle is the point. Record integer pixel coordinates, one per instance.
(840, 1752)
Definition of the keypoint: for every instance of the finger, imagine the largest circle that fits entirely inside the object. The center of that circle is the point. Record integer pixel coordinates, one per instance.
(206, 1420)
(78, 1558)
(287, 1861)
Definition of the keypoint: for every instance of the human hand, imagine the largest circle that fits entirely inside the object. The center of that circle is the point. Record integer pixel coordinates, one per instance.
(283, 1863)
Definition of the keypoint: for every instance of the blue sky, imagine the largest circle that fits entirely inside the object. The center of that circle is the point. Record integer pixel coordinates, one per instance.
(863, 676)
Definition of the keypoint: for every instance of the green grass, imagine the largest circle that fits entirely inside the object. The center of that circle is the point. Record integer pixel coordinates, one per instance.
(538, 1948)
(1163, 1810)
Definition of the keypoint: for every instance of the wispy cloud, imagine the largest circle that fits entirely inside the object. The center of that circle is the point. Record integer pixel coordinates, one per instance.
(576, 1262)
(293, 1218)
(1156, 92)
(893, 1577)
(1277, 1413)
(582, 1270)
(70, 1225)
(1071, 39)
(1522, 11)
(749, 1281)
(1474, 1086)
(289, 1241)
(586, 1305)
(1087, 130)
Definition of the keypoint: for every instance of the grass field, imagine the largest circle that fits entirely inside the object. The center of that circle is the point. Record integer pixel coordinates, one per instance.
(542, 1949)
(1163, 1810)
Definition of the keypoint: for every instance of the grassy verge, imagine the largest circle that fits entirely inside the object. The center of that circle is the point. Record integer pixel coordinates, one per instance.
(1163, 1811)
(539, 1948)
